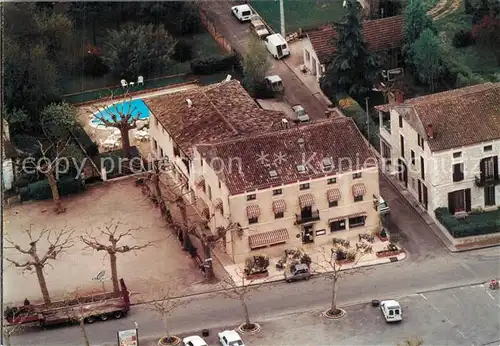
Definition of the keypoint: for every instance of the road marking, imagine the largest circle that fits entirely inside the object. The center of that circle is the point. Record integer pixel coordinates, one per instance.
(423, 296)
(490, 295)
(458, 300)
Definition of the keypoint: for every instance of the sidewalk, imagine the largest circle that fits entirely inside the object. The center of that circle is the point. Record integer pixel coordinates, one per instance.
(320, 256)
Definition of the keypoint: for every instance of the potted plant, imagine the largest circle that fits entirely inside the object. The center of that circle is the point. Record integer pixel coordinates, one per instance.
(382, 235)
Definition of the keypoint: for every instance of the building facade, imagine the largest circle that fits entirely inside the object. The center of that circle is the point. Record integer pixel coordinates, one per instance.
(444, 147)
(287, 189)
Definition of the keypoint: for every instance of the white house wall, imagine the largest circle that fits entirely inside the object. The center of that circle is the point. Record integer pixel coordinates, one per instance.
(309, 63)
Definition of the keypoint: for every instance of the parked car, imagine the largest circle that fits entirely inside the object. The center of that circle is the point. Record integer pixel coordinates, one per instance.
(194, 340)
(258, 27)
(230, 338)
(300, 114)
(298, 272)
(277, 46)
(242, 12)
(274, 83)
(391, 310)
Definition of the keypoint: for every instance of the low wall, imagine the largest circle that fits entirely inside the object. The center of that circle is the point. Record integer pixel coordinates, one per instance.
(209, 24)
(465, 241)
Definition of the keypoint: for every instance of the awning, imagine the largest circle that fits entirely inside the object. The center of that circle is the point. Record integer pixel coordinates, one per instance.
(358, 214)
(306, 200)
(338, 218)
(253, 211)
(218, 204)
(358, 189)
(333, 195)
(200, 181)
(268, 238)
(279, 206)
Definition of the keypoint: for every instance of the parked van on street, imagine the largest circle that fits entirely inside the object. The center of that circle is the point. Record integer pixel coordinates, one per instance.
(277, 46)
(242, 12)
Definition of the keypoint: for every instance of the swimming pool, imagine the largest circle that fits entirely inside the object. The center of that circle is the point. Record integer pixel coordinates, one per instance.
(137, 108)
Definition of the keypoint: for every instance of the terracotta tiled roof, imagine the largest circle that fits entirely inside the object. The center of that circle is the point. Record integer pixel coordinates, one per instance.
(459, 117)
(380, 35)
(246, 164)
(218, 112)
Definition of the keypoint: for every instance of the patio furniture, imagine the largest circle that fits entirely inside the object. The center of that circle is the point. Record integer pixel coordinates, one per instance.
(124, 83)
(142, 135)
(140, 80)
(131, 84)
(110, 143)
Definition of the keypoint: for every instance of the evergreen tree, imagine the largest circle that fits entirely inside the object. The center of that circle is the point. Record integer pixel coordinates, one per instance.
(352, 68)
(416, 21)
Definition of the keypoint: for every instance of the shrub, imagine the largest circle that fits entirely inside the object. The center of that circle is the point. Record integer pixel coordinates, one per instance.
(471, 226)
(94, 66)
(340, 254)
(182, 51)
(41, 189)
(463, 38)
(213, 64)
(262, 91)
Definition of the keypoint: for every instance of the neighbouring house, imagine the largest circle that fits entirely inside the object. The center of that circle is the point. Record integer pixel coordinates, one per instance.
(444, 147)
(9, 156)
(383, 36)
(207, 114)
(289, 188)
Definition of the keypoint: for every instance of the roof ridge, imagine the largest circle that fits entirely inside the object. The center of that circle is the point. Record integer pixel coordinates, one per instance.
(224, 119)
(450, 94)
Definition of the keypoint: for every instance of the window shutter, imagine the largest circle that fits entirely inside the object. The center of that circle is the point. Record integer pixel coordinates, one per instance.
(495, 166)
(467, 200)
(451, 202)
(482, 167)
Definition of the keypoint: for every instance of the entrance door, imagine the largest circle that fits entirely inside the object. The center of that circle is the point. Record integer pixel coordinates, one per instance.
(419, 191)
(306, 213)
(279, 50)
(314, 67)
(403, 172)
(307, 235)
(425, 197)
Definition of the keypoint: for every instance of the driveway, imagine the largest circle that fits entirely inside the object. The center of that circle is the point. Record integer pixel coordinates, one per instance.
(237, 33)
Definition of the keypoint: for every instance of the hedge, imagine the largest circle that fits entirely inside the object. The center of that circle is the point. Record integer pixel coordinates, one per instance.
(214, 64)
(40, 190)
(474, 224)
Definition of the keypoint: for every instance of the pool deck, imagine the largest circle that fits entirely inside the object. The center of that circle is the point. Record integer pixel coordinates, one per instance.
(99, 133)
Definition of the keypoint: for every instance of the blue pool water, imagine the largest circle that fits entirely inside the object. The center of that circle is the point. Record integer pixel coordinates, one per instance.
(137, 108)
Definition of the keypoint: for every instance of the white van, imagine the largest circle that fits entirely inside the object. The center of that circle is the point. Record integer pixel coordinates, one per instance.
(242, 12)
(391, 310)
(277, 46)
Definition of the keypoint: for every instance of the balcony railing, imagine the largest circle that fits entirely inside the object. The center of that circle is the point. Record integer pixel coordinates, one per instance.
(487, 180)
(305, 218)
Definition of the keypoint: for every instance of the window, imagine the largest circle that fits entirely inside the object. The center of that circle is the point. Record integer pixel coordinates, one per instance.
(337, 225)
(420, 141)
(279, 215)
(332, 204)
(402, 144)
(156, 122)
(253, 220)
(201, 163)
(177, 152)
(401, 121)
(331, 181)
(358, 221)
(209, 192)
(221, 209)
(251, 197)
(413, 183)
(457, 155)
(458, 172)
(356, 175)
(161, 152)
(489, 195)
(304, 186)
(277, 192)
(308, 55)
(422, 168)
(358, 198)
(412, 154)
(155, 144)
(220, 185)
(488, 148)
(459, 201)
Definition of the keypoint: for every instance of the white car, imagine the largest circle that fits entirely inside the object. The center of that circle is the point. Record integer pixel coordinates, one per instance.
(391, 310)
(194, 340)
(258, 27)
(230, 338)
(242, 12)
(300, 115)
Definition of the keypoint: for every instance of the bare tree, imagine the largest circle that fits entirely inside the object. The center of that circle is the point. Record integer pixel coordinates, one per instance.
(164, 303)
(239, 290)
(122, 116)
(112, 248)
(412, 342)
(58, 242)
(10, 329)
(335, 271)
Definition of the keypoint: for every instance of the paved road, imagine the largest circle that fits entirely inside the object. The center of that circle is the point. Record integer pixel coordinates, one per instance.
(237, 34)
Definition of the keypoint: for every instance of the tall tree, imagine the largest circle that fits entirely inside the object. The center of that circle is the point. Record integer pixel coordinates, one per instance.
(427, 56)
(59, 241)
(138, 50)
(416, 20)
(487, 34)
(108, 240)
(352, 68)
(57, 120)
(256, 63)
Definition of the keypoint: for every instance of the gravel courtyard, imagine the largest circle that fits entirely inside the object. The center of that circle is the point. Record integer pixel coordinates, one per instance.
(145, 271)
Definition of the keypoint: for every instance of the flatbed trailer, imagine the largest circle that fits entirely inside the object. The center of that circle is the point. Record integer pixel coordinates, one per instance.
(90, 308)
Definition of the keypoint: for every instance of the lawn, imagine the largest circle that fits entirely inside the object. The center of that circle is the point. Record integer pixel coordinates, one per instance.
(303, 14)
(203, 46)
(480, 63)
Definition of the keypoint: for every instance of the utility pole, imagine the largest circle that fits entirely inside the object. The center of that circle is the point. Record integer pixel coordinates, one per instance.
(282, 18)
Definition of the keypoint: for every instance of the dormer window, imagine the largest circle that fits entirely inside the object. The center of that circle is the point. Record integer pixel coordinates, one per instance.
(327, 163)
(273, 173)
(301, 168)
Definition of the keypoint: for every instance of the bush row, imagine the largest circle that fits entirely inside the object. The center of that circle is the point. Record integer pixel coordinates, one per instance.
(214, 64)
(465, 228)
(40, 190)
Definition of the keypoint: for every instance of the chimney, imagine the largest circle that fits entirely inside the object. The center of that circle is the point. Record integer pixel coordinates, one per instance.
(430, 132)
(189, 103)
(284, 123)
(328, 113)
(301, 143)
(400, 98)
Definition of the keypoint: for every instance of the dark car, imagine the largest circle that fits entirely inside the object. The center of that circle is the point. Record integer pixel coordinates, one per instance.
(298, 272)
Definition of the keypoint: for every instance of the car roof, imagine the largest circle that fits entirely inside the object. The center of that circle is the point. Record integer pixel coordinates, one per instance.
(257, 22)
(301, 266)
(276, 39)
(231, 335)
(297, 107)
(195, 339)
(274, 78)
(391, 303)
(243, 7)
